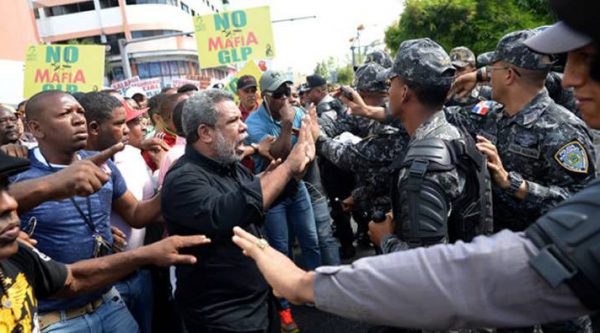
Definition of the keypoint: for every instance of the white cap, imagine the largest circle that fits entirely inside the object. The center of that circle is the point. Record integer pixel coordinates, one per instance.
(134, 91)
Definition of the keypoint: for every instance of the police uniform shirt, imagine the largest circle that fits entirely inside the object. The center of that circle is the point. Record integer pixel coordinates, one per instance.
(549, 147)
(28, 274)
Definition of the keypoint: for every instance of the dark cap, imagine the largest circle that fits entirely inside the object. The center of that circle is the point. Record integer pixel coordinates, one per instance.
(379, 57)
(485, 59)
(303, 88)
(315, 80)
(365, 78)
(246, 81)
(462, 57)
(558, 38)
(421, 61)
(512, 49)
(12, 165)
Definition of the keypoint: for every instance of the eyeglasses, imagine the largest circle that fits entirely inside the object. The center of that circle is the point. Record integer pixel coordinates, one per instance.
(490, 69)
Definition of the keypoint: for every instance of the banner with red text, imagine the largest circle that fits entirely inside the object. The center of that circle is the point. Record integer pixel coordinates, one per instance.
(69, 68)
(234, 36)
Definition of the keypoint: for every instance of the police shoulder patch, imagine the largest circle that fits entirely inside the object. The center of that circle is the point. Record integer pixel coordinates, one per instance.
(573, 157)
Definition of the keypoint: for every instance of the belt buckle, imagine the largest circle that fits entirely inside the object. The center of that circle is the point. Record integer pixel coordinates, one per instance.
(89, 308)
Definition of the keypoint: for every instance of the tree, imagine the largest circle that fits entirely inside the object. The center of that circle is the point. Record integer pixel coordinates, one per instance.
(345, 74)
(476, 24)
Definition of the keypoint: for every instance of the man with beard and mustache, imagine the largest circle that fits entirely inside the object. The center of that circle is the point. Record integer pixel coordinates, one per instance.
(208, 191)
(77, 228)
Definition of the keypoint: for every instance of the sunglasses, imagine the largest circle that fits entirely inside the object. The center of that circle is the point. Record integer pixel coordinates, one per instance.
(281, 92)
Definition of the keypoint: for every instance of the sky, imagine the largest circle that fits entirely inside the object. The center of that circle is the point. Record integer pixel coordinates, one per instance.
(300, 44)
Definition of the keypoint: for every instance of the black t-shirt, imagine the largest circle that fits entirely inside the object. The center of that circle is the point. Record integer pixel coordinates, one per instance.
(28, 275)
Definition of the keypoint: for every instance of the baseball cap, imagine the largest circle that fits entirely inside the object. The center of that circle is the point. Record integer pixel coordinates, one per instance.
(12, 165)
(558, 38)
(512, 49)
(303, 88)
(422, 61)
(132, 91)
(365, 78)
(485, 59)
(271, 80)
(315, 80)
(462, 57)
(246, 81)
(380, 57)
(131, 113)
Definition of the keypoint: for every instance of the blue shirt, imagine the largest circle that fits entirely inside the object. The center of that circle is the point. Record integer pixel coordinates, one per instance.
(260, 124)
(61, 232)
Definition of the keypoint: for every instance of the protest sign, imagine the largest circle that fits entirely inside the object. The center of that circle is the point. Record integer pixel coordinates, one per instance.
(124, 84)
(69, 68)
(150, 86)
(234, 36)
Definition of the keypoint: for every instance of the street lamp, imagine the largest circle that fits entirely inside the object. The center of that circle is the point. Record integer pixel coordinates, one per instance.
(356, 39)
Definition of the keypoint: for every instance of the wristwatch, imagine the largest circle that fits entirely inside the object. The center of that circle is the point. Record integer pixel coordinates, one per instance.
(515, 182)
(480, 73)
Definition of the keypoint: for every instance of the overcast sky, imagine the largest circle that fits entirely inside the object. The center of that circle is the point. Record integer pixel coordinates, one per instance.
(301, 44)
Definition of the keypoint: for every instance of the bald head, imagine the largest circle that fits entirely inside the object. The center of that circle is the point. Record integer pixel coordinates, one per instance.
(36, 104)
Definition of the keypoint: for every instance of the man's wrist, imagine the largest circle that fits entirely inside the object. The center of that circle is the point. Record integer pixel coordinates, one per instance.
(515, 181)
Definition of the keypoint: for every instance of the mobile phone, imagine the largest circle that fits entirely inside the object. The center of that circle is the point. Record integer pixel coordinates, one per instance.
(347, 92)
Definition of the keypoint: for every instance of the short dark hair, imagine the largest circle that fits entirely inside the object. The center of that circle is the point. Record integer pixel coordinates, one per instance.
(36, 103)
(431, 96)
(98, 106)
(167, 106)
(187, 87)
(154, 105)
(178, 118)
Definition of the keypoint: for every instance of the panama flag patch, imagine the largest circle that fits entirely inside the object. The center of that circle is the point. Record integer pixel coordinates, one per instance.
(573, 157)
(482, 107)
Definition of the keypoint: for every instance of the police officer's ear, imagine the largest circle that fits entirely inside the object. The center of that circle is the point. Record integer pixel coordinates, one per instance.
(404, 93)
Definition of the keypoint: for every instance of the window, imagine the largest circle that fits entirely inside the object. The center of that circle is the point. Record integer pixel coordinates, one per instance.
(109, 3)
(185, 8)
(70, 9)
(150, 33)
(146, 2)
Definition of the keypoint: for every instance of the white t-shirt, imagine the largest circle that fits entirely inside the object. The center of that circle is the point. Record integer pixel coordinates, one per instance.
(139, 182)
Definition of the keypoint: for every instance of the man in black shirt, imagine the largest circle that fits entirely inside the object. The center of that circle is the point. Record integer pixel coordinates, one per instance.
(26, 274)
(209, 192)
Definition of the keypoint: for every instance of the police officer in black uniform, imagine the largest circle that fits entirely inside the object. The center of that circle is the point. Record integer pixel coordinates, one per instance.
(441, 189)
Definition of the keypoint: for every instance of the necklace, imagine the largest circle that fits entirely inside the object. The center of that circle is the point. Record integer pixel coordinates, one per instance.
(8, 304)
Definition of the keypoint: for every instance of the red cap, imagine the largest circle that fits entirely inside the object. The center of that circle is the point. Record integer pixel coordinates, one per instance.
(131, 113)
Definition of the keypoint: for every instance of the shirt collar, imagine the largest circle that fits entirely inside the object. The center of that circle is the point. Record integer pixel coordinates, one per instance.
(436, 120)
(532, 110)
